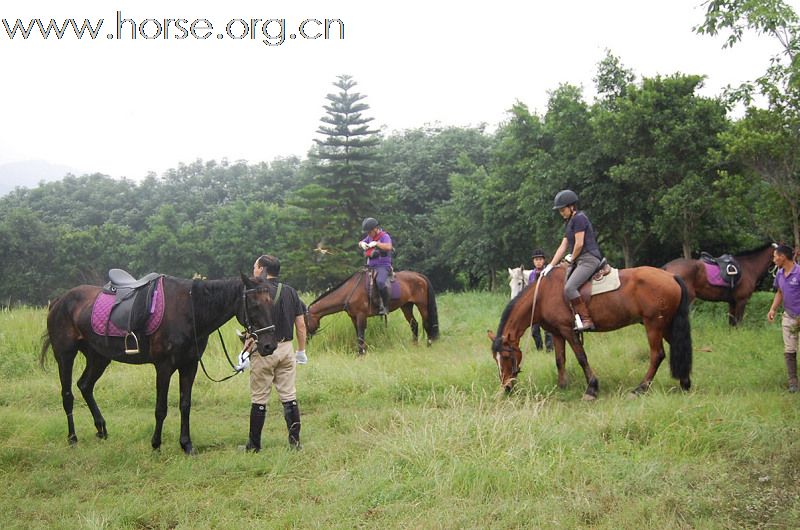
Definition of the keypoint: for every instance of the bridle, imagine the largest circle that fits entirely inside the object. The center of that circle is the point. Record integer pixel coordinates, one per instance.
(250, 330)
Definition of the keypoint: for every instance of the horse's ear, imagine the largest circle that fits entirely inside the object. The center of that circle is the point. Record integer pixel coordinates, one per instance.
(246, 280)
(491, 334)
(509, 271)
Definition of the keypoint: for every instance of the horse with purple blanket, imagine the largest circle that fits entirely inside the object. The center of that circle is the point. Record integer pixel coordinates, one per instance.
(703, 279)
(357, 296)
(173, 333)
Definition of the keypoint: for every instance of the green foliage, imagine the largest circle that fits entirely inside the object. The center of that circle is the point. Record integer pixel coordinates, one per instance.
(340, 186)
(661, 172)
(766, 140)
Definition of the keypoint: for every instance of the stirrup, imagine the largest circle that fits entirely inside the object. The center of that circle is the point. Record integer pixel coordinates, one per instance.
(135, 349)
(581, 326)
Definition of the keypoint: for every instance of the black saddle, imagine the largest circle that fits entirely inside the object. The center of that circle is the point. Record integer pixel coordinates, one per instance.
(729, 269)
(132, 301)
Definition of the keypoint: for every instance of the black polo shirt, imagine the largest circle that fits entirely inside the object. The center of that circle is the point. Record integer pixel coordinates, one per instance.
(286, 309)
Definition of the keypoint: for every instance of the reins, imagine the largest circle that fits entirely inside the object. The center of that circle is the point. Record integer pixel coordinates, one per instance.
(353, 290)
(535, 295)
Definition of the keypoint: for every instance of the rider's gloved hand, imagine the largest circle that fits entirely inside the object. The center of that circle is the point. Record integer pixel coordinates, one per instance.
(300, 357)
(568, 258)
(547, 269)
(244, 361)
(372, 244)
(362, 245)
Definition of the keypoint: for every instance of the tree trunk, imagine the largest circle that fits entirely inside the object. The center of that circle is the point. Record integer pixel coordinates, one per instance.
(626, 252)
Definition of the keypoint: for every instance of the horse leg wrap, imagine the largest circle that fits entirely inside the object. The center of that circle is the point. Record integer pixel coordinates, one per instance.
(257, 415)
(291, 413)
(791, 369)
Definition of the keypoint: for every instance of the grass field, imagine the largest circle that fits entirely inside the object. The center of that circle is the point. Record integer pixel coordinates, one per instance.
(417, 437)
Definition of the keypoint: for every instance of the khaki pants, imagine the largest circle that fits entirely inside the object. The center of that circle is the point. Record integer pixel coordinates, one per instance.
(790, 328)
(277, 369)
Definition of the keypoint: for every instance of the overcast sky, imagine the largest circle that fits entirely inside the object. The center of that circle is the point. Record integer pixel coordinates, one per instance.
(125, 107)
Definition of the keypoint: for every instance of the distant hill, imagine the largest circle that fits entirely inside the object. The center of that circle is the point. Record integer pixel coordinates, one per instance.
(29, 173)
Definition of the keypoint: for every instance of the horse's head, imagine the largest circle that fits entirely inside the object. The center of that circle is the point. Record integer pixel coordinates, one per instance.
(508, 357)
(516, 280)
(257, 314)
(312, 323)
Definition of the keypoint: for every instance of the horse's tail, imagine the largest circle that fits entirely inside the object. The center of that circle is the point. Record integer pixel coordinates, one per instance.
(45, 347)
(433, 312)
(680, 344)
(46, 343)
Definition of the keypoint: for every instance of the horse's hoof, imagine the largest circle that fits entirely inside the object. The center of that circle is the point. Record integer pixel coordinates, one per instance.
(562, 386)
(73, 440)
(101, 435)
(430, 342)
(189, 450)
(686, 385)
(588, 397)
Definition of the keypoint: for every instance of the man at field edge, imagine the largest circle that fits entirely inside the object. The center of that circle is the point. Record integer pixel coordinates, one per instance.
(787, 285)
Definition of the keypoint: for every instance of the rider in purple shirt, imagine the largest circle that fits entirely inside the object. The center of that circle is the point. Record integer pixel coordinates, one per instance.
(787, 283)
(377, 247)
(538, 258)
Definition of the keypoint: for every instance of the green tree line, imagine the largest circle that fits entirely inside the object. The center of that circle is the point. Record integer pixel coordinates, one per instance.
(662, 171)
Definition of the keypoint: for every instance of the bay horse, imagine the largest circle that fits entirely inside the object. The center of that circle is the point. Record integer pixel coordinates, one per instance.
(753, 265)
(647, 295)
(193, 309)
(352, 296)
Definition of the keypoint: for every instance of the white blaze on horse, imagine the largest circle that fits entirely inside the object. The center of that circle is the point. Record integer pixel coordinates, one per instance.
(518, 280)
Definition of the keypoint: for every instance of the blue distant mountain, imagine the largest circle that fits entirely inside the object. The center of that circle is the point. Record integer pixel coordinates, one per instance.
(29, 173)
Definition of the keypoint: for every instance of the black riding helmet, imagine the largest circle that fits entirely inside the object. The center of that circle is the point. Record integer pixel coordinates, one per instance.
(368, 224)
(538, 253)
(564, 198)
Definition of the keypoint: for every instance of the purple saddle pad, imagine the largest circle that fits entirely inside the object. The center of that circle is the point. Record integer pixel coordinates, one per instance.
(712, 273)
(101, 312)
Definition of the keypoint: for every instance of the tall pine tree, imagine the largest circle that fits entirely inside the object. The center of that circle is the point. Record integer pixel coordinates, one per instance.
(340, 185)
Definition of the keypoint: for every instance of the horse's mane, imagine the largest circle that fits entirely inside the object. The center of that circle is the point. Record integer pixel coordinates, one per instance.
(332, 289)
(506, 313)
(210, 291)
(754, 250)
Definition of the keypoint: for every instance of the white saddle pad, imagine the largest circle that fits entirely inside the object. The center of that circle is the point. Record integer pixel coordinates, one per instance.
(609, 282)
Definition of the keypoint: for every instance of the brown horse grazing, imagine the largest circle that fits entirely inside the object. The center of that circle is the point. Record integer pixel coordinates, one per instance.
(192, 311)
(647, 295)
(753, 264)
(352, 296)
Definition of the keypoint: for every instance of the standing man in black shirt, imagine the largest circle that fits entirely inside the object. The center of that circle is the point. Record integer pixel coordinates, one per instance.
(277, 369)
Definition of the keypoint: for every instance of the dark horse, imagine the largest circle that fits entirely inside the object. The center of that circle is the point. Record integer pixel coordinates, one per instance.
(192, 311)
(647, 295)
(753, 264)
(352, 296)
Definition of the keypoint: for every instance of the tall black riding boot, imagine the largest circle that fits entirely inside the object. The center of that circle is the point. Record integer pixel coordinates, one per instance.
(291, 413)
(386, 300)
(791, 369)
(257, 415)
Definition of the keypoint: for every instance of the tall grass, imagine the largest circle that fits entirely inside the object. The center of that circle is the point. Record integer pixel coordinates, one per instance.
(416, 437)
